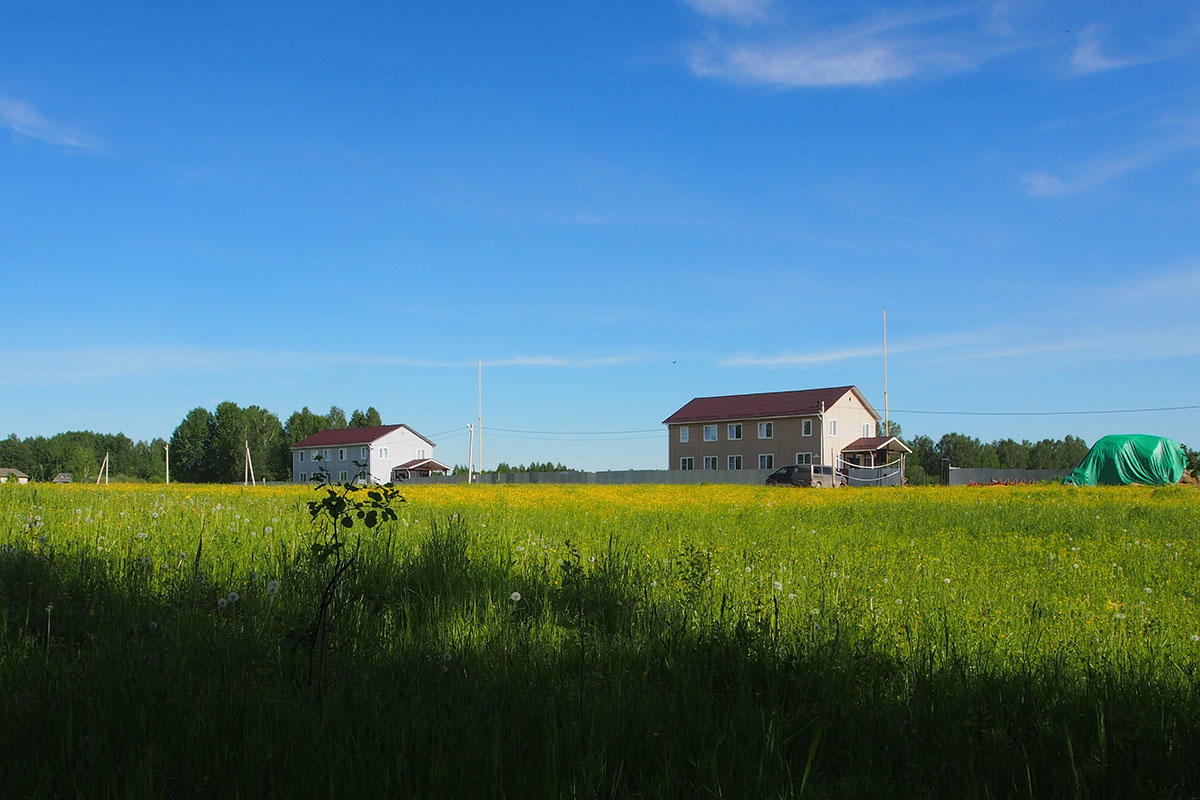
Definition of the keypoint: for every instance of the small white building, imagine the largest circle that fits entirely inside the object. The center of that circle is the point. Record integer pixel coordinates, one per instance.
(15, 474)
(382, 454)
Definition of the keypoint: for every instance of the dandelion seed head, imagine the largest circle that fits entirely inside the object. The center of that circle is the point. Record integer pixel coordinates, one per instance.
(233, 597)
(272, 587)
(515, 597)
(222, 602)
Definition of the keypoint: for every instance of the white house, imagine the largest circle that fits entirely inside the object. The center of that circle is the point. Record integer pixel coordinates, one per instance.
(15, 474)
(382, 454)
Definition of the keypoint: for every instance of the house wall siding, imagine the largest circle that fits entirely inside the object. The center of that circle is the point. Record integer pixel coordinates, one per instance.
(786, 442)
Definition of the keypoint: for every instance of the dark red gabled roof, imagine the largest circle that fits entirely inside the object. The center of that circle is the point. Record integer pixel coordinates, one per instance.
(345, 436)
(423, 463)
(754, 406)
(869, 444)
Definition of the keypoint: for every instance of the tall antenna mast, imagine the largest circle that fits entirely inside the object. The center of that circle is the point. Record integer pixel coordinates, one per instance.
(887, 422)
(481, 414)
(470, 451)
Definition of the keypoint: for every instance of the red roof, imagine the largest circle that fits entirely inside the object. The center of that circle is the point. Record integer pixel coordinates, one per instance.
(423, 463)
(869, 444)
(345, 436)
(764, 404)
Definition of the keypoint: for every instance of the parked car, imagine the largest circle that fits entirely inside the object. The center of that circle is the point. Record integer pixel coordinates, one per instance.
(819, 475)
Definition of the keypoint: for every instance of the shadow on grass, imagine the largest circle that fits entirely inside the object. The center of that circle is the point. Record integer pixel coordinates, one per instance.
(442, 684)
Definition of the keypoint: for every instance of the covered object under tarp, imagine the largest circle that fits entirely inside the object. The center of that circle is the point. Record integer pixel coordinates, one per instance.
(1123, 459)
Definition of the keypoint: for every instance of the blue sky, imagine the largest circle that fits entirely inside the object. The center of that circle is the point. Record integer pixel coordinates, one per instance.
(618, 206)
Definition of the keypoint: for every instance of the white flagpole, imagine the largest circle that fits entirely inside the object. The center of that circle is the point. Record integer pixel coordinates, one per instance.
(167, 450)
(887, 423)
(481, 414)
(470, 450)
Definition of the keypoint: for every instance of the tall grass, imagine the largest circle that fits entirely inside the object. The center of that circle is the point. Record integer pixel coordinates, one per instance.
(604, 642)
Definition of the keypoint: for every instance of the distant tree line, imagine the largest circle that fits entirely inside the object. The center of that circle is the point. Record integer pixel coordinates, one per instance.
(206, 447)
(80, 453)
(533, 466)
(925, 464)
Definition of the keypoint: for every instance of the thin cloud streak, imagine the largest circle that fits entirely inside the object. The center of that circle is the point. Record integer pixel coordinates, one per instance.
(744, 11)
(880, 49)
(1045, 184)
(46, 367)
(1087, 58)
(25, 120)
(999, 345)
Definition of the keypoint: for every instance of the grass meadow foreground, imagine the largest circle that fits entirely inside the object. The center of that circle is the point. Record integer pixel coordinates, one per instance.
(536, 641)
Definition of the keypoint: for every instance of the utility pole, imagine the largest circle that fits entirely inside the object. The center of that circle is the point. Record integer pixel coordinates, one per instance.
(248, 471)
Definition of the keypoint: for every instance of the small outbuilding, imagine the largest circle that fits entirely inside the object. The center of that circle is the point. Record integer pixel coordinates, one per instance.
(15, 474)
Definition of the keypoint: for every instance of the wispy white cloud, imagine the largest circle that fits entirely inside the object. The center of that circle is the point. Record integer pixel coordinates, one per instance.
(1000, 345)
(882, 48)
(25, 120)
(1042, 183)
(1176, 286)
(1088, 58)
(69, 366)
(739, 10)
(1104, 170)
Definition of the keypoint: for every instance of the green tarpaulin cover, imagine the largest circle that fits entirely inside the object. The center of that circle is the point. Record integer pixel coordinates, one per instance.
(1130, 458)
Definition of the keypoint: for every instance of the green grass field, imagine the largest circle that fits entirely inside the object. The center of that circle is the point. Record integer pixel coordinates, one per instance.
(538, 641)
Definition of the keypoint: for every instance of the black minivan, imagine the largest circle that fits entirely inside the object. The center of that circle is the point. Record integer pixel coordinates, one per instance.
(818, 475)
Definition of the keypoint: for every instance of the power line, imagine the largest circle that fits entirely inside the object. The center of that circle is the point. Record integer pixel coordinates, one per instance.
(562, 439)
(1044, 413)
(580, 433)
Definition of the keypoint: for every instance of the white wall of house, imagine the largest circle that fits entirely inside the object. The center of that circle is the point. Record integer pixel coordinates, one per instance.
(394, 449)
(854, 420)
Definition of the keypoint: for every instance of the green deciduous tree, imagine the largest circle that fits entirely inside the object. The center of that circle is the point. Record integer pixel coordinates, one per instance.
(192, 454)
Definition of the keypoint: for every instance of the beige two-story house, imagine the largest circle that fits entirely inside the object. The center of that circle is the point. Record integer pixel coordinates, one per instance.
(770, 429)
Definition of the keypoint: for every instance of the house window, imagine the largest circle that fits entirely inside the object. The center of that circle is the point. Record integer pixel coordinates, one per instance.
(806, 427)
(710, 462)
(316, 455)
(326, 455)
(342, 476)
(803, 458)
(341, 454)
(735, 462)
(301, 452)
(366, 452)
(303, 477)
(833, 427)
(766, 430)
(683, 435)
(710, 433)
(383, 452)
(866, 430)
(687, 462)
(420, 454)
(735, 431)
(766, 461)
